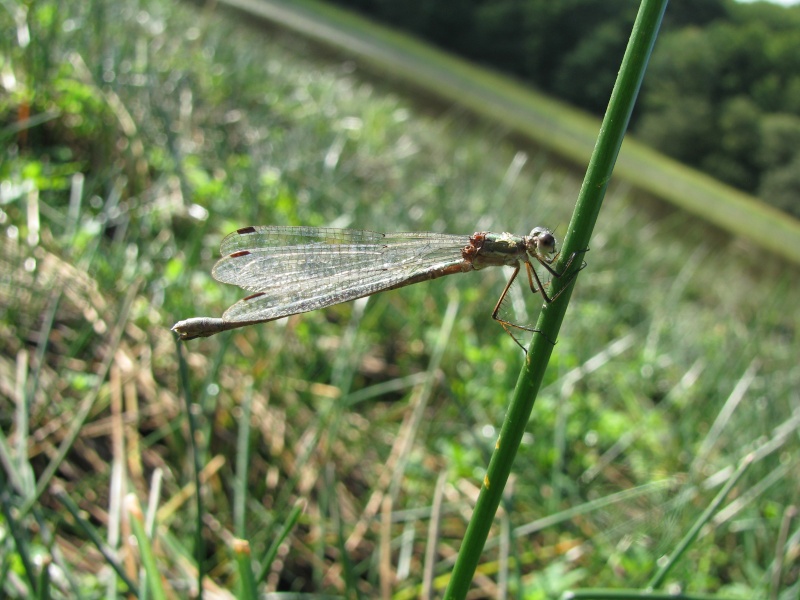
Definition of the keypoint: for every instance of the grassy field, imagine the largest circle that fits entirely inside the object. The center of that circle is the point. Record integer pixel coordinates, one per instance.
(347, 445)
(567, 132)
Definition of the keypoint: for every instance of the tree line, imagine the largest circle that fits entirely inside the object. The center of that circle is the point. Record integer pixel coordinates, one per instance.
(722, 93)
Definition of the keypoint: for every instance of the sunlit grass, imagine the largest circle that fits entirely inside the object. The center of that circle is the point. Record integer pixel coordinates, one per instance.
(677, 359)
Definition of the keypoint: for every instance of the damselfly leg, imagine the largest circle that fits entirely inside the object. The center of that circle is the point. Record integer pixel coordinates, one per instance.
(536, 285)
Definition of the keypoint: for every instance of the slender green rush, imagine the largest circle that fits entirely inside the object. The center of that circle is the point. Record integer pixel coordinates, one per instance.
(590, 199)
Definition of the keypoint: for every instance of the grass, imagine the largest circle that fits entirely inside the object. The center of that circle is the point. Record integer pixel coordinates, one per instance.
(347, 446)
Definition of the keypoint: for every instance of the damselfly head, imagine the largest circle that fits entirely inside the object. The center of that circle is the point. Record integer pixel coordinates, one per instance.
(542, 241)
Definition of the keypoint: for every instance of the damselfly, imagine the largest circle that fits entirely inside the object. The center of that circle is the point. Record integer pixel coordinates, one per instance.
(291, 270)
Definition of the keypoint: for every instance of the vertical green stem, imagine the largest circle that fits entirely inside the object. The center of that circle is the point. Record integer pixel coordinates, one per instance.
(194, 430)
(691, 535)
(580, 229)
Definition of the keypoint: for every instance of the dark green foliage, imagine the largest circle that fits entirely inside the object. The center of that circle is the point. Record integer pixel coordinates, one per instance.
(781, 187)
(779, 139)
(724, 99)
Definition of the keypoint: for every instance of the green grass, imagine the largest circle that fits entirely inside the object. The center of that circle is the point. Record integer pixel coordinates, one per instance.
(677, 359)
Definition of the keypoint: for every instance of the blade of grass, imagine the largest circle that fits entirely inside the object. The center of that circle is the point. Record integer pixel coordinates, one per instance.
(44, 578)
(39, 361)
(622, 594)
(246, 589)
(18, 471)
(206, 401)
(96, 539)
(242, 463)
(22, 418)
(432, 540)
(777, 567)
(272, 552)
(591, 506)
(17, 532)
(704, 518)
(349, 576)
(149, 563)
(194, 434)
(587, 209)
(724, 415)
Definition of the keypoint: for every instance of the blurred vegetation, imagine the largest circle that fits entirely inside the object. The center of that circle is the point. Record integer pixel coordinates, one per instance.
(137, 133)
(722, 92)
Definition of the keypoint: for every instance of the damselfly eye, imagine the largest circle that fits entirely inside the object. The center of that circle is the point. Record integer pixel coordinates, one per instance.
(547, 242)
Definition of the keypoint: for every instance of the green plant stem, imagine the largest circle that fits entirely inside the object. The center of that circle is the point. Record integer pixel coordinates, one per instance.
(635, 594)
(691, 535)
(584, 217)
(242, 463)
(247, 589)
(96, 539)
(149, 563)
(272, 551)
(199, 544)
